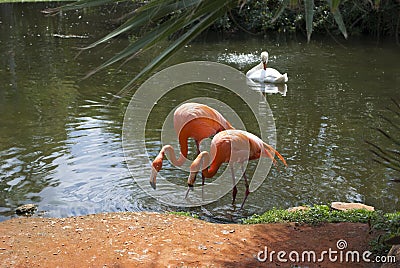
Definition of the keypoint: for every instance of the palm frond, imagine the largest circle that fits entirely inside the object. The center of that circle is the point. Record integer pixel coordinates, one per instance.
(145, 42)
(158, 20)
(175, 46)
(386, 164)
(388, 136)
(309, 14)
(145, 15)
(388, 157)
(390, 121)
(334, 7)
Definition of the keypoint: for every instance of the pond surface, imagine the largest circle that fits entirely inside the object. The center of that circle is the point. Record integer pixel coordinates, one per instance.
(60, 136)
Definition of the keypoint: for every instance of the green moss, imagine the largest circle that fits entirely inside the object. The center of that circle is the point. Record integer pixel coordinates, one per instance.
(388, 224)
(314, 215)
(184, 213)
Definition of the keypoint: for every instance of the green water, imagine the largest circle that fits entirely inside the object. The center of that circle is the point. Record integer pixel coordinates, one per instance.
(60, 137)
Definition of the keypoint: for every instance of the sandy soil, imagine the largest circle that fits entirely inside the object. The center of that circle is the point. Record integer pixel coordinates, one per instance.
(162, 240)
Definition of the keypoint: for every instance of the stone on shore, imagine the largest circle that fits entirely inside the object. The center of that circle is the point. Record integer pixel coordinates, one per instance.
(349, 206)
(27, 209)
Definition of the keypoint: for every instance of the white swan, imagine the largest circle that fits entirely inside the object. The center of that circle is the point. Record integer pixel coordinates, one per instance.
(260, 72)
(268, 88)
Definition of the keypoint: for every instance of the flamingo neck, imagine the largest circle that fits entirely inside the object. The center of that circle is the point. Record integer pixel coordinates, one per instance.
(170, 152)
(204, 160)
(200, 163)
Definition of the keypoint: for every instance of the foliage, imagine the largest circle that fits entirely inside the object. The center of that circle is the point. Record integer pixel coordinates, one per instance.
(378, 18)
(184, 213)
(180, 21)
(284, 16)
(388, 224)
(184, 19)
(388, 157)
(261, 17)
(314, 215)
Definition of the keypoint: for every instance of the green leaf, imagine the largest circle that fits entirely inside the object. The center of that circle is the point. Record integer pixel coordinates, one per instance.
(389, 137)
(187, 18)
(144, 42)
(340, 23)
(334, 6)
(144, 17)
(388, 155)
(163, 31)
(148, 40)
(386, 164)
(309, 13)
(175, 46)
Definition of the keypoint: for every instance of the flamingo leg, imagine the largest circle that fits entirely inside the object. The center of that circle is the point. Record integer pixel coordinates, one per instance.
(190, 188)
(198, 152)
(234, 190)
(203, 179)
(247, 187)
(202, 185)
(198, 147)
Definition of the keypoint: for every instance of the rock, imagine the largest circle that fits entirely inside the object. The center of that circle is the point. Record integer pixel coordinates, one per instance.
(26, 210)
(299, 208)
(393, 241)
(349, 206)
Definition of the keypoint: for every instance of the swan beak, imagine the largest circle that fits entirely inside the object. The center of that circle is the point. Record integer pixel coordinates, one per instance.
(153, 178)
(264, 65)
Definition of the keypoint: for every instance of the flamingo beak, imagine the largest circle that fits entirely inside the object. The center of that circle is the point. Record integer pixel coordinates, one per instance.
(191, 179)
(190, 188)
(190, 182)
(264, 65)
(153, 178)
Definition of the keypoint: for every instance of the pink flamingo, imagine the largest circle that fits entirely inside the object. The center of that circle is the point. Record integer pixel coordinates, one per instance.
(231, 146)
(191, 120)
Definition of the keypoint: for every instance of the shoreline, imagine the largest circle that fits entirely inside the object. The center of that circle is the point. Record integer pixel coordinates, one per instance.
(144, 239)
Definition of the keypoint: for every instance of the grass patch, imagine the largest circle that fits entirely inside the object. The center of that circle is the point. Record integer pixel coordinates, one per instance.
(184, 213)
(314, 215)
(388, 224)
